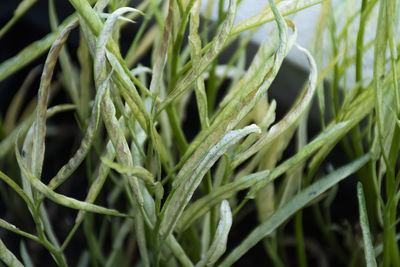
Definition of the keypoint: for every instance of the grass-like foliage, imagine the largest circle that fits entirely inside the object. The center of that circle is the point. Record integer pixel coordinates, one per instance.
(152, 196)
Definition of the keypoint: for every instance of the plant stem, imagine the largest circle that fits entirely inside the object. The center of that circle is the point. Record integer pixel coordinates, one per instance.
(301, 251)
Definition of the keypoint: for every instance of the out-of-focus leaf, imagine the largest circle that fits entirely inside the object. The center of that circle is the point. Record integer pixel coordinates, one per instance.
(266, 15)
(17, 101)
(24, 126)
(367, 239)
(26, 258)
(31, 52)
(8, 257)
(22, 8)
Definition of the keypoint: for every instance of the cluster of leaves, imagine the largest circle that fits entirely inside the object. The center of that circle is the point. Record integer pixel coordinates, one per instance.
(136, 152)
(370, 94)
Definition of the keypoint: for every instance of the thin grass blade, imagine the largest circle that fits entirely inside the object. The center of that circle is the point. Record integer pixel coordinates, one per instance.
(40, 122)
(17, 189)
(61, 199)
(10, 227)
(106, 32)
(367, 238)
(162, 52)
(66, 171)
(10, 120)
(26, 258)
(195, 51)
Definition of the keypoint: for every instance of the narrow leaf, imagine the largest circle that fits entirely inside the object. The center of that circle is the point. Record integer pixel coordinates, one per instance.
(367, 238)
(162, 52)
(106, 32)
(18, 12)
(218, 246)
(26, 258)
(138, 171)
(195, 51)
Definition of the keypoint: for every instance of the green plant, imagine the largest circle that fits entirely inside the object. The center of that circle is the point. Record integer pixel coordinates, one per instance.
(174, 200)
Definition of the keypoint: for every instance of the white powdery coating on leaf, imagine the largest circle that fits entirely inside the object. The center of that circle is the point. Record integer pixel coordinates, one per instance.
(218, 245)
(106, 32)
(185, 191)
(222, 146)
